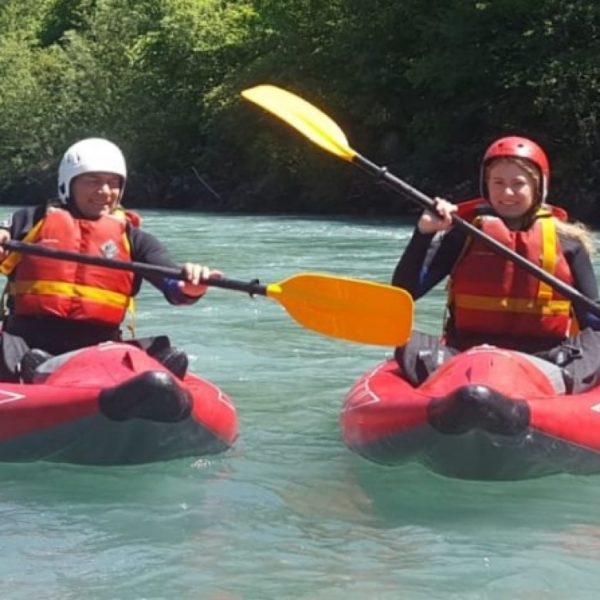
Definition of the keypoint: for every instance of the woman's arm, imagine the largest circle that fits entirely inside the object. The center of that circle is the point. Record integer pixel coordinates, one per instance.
(427, 259)
(584, 279)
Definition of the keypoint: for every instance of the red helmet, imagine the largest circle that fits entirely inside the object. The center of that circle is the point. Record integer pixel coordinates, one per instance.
(518, 147)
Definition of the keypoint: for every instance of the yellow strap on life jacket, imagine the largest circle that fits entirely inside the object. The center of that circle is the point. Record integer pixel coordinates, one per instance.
(69, 290)
(549, 255)
(131, 323)
(536, 306)
(120, 212)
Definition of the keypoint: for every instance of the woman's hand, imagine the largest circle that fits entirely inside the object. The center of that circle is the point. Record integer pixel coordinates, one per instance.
(441, 220)
(195, 275)
(4, 237)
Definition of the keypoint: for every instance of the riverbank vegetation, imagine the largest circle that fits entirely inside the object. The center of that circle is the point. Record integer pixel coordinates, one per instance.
(422, 87)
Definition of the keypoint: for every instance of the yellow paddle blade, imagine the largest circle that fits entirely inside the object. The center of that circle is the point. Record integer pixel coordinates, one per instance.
(303, 116)
(345, 308)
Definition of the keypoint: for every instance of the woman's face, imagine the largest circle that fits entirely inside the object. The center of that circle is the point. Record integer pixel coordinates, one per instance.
(512, 190)
(96, 194)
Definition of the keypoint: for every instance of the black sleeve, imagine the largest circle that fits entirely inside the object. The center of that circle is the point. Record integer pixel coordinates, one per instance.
(148, 249)
(427, 260)
(584, 279)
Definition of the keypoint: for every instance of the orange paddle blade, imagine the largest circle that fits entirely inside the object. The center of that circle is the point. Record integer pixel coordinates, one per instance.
(345, 308)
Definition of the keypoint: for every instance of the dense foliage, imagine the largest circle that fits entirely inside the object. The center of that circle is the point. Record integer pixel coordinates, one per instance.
(420, 86)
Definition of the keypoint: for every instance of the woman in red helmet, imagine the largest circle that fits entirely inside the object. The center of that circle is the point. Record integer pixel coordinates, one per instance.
(490, 299)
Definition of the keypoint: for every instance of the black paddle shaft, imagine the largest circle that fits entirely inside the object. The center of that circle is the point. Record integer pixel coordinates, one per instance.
(143, 269)
(427, 203)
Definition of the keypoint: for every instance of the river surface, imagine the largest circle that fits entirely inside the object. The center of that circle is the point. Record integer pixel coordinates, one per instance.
(289, 512)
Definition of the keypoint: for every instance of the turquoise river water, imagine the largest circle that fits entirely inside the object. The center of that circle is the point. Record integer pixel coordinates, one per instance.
(289, 512)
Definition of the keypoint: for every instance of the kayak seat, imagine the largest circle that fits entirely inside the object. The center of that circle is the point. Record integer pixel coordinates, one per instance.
(173, 359)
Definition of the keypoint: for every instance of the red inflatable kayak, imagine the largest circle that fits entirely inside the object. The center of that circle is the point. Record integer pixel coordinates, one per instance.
(113, 404)
(487, 413)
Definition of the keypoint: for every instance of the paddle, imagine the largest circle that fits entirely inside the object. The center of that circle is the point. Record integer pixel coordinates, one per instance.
(323, 131)
(340, 307)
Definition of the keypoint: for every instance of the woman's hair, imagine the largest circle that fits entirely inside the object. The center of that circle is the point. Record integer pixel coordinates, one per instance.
(577, 231)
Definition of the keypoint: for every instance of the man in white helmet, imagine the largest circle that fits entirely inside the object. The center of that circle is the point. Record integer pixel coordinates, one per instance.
(57, 306)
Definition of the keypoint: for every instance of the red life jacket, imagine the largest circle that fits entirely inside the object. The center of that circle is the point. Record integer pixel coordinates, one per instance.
(45, 286)
(491, 296)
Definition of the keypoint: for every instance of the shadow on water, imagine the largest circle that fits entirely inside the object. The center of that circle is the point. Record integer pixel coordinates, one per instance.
(60, 483)
(412, 494)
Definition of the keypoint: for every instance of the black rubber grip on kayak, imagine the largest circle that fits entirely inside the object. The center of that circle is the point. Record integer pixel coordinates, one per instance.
(153, 395)
(478, 407)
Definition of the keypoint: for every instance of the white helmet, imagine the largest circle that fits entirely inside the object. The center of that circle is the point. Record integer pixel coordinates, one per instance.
(88, 156)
